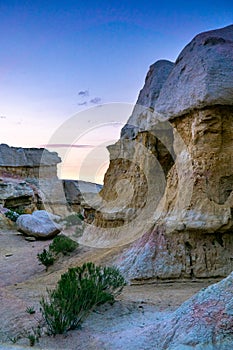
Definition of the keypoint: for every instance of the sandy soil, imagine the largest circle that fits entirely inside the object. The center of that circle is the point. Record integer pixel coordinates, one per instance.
(24, 281)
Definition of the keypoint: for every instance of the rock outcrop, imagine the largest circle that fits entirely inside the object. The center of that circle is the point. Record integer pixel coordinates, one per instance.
(20, 172)
(17, 194)
(172, 169)
(28, 182)
(205, 321)
(78, 193)
(28, 162)
(39, 224)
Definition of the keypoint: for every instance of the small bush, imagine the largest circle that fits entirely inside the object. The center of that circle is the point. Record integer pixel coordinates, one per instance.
(73, 219)
(33, 335)
(30, 310)
(80, 216)
(12, 215)
(63, 244)
(78, 292)
(14, 339)
(46, 258)
(60, 244)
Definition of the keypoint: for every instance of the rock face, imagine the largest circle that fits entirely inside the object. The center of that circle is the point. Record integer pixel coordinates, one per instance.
(17, 194)
(172, 169)
(20, 171)
(78, 192)
(28, 162)
(28, 181)
(155, 79)
(39, 224)
(205, 321)
(202, 75)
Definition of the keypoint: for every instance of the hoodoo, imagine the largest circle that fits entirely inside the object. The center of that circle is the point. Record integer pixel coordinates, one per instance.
(169, 186)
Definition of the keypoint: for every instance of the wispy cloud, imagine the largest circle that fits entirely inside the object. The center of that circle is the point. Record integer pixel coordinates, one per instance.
(83, 93)
(66, 145)
(2, 117)
(95, 100)
(82, 103)
(82, 98)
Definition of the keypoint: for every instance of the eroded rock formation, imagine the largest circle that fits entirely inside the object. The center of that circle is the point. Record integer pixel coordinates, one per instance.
(204, 321)
(20, 171)
(172, 169)
(28, 162)
(28, 181)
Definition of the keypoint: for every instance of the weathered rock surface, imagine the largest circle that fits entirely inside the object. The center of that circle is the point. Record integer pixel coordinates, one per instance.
(28, 181)
(39, 224)
(17, 194)
(201, 77)
(140, 120)
(177, 175)
(28, 162)
(20, 171)
(205, 320)
(159, 255)
(78, 193)
(5, 223)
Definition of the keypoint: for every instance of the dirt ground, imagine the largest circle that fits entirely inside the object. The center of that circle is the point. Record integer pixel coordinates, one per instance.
(23, 282)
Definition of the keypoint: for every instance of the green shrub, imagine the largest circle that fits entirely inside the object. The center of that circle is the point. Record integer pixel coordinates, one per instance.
(33, 335)
(46, 258)
(60, 244)
(63, 244)
(78, 292)
(14, 339)
(12, 215)
(30, 310)
(73, 219)
(80, 216)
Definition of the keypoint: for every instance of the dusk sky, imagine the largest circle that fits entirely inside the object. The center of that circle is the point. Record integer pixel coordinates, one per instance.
(61, 57)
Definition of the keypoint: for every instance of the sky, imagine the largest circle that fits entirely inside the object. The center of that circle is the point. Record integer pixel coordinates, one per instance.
(66, 58)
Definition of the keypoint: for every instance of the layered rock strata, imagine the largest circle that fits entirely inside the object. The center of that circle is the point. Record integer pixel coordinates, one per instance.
(28, 181)
(28, 162)
(175, 157)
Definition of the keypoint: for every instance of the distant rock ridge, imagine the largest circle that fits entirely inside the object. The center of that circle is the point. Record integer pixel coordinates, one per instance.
(28, 181)
(170, 179)
(29, 157)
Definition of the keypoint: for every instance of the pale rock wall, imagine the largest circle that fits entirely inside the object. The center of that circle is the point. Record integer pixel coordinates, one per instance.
(28, 162)
(201, 77)
(187, 233)
(20, 171)
(142, 118)
(28, 181)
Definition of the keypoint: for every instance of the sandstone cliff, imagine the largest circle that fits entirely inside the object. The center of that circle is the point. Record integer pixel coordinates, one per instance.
(28, 181)
(20, 171)
(170, 180)
(28, 162)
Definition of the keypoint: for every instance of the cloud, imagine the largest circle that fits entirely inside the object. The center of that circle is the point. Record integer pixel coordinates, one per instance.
(83, 93)
(66, 145)
(82, 103)
(95, 100)
(2, 117)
